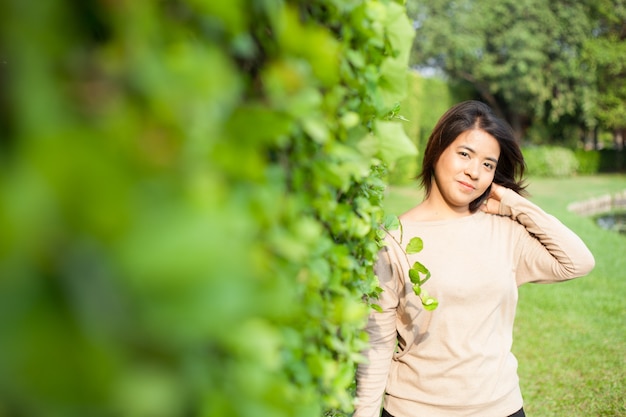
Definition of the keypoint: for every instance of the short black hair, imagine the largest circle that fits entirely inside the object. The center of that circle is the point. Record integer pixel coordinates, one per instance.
(470, 115)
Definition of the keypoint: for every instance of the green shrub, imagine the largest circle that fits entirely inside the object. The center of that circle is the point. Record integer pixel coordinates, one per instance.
(588, 161)
(600, 161)
(612, 160)
(550, 161)
(190, 199)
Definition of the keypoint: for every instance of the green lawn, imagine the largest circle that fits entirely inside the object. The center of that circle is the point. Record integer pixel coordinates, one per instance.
(570, 338)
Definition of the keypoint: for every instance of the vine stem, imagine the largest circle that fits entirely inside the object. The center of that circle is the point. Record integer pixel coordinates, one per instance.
(428, 302)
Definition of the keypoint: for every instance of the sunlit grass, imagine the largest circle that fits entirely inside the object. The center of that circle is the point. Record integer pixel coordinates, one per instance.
(570, 338)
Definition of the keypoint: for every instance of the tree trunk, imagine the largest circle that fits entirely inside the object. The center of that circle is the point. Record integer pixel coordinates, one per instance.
(618, 139)
(516, 124)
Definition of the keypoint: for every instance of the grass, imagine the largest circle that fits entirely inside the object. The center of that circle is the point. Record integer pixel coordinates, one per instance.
(570, 338)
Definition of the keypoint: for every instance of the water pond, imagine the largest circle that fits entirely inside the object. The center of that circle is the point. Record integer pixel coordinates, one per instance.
(612, 221)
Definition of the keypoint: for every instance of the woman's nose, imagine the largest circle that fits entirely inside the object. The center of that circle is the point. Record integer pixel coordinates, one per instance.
(471, 169)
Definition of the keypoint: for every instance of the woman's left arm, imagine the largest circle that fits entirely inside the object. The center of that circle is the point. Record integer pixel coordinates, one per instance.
(551, 251)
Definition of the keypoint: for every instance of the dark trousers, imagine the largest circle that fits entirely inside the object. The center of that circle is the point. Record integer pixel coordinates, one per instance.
(519, 413)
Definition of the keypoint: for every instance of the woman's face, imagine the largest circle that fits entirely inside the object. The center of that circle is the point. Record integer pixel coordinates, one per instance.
(466, 169)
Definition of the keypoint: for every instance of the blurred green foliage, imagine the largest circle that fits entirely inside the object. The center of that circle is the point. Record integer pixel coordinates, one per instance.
(588, 161)
(521, 56)
(190, 201)
(604, 54)
(550, 161)
(557, 161)
(601, 161)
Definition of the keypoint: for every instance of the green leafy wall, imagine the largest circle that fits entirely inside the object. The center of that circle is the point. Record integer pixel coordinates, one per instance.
(190, 196)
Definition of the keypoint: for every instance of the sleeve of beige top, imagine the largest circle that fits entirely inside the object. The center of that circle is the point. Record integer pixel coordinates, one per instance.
(549, 251)
(372, 375)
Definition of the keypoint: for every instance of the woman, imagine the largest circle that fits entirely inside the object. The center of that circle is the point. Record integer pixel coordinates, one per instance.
(482, 240)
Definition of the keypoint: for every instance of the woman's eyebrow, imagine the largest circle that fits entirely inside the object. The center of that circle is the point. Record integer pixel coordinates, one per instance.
(467, 148)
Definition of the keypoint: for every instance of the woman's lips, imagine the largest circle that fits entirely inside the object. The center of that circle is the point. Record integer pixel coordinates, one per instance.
(467, 186)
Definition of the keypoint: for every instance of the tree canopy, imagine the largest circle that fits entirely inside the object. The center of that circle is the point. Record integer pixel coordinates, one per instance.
(534, 61)
(605, 55)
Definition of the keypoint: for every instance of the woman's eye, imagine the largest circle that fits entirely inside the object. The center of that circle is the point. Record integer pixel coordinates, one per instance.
(463, 154)
(488, 165)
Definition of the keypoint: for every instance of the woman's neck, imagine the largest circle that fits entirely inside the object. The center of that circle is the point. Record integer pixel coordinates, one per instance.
(434, 209)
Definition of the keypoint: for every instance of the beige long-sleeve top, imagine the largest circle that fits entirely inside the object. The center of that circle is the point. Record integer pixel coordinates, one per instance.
(457, 360)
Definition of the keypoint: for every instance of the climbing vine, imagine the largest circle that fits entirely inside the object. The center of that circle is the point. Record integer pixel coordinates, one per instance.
(418, 272)
(191, 196)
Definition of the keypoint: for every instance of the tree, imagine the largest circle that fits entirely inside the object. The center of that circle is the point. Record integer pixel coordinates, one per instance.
(604, 54)
(523, 57)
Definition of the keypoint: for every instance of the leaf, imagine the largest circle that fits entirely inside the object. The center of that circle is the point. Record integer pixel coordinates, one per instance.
(400, 31)
(417, 289)
(391, 222)
(316, 128)
(414, 275)
(392, 81)
(377, 307)
(350, 119)
(270, 127)
(415, 245)
(420, 267)
(392, 141)
(430, 303)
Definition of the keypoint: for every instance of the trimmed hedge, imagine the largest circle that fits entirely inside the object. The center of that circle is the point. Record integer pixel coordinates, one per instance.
(553, 161)
(601, 161)
(550, 161)
(190, 199)
(588, 161)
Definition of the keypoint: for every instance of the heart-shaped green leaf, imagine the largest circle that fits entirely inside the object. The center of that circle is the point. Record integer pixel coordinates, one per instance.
(415, 245)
